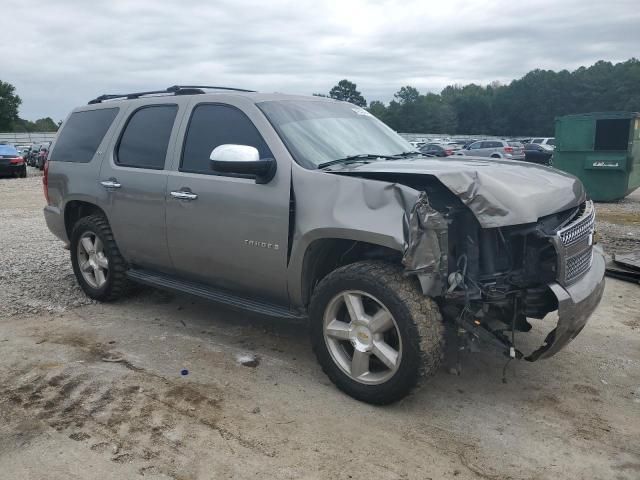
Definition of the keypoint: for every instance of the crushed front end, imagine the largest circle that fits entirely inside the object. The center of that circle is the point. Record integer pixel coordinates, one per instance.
(499, 277)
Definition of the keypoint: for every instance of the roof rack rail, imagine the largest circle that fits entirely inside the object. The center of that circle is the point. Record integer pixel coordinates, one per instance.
(173, 90)
(176, 88)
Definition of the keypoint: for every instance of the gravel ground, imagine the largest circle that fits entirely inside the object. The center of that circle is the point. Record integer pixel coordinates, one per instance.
(154, 386)
(35, 270)
(619, 224)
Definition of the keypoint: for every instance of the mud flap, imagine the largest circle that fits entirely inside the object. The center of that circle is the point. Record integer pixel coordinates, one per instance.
(576, 303)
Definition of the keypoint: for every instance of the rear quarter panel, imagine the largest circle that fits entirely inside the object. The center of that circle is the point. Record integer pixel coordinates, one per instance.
(68, 181)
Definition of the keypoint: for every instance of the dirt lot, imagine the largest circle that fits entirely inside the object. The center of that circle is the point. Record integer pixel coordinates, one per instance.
(96, 391)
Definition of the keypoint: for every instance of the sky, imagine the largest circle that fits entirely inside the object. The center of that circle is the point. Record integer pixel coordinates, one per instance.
(62, 53)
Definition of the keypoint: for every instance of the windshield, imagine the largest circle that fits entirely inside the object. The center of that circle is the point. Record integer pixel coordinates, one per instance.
(8, 150)
(317, 132)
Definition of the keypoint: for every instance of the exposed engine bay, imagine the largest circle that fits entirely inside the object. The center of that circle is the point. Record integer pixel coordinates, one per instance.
(488, 280)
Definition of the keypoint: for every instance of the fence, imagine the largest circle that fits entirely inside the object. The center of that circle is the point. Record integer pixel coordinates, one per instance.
(27, 138)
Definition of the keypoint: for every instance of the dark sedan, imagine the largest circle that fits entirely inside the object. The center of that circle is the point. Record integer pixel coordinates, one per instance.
(535, 153)
(436, 150)
(11, 162)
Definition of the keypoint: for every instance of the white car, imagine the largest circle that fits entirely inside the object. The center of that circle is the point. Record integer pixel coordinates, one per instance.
(549, 141)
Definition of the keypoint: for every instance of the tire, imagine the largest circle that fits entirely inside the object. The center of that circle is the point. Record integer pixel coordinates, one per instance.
(114, 284)
(416, 334)
(23, 173)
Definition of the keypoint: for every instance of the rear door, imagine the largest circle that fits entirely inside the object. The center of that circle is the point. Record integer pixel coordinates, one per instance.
(476, 149)
(492, 147)
(133, 179)
(232, 233)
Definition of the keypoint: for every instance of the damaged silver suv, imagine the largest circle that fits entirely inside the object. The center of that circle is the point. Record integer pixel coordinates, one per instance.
(306, 207)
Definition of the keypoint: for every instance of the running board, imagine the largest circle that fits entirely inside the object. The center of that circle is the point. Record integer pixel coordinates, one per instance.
(207, 292)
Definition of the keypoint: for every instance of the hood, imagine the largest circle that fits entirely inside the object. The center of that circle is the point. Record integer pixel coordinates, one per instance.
(499, 192)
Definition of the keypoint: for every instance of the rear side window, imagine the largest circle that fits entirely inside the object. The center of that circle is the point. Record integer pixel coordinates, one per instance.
(214, 125)
(145, 139)
(82, 134)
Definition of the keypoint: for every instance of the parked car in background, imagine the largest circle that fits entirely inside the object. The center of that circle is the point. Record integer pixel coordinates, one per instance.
(541, 154)
(551, 141)
(436, 150)
(494, 149)
(459, 144)
(33, 154)
(43, 151)
(11, 162)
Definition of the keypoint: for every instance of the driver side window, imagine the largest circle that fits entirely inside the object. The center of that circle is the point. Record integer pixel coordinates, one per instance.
(212, 125)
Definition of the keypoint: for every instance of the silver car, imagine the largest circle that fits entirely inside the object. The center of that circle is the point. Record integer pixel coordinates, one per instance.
(312, 209)
(495, 149)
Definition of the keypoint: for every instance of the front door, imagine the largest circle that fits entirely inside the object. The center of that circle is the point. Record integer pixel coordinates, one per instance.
(134, 180)
(228, 231)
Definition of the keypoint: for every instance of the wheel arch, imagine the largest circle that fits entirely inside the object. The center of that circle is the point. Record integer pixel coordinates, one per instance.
(74, 210)
(324, 255)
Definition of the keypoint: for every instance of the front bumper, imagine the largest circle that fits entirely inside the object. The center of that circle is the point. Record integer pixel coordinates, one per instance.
(576, 303)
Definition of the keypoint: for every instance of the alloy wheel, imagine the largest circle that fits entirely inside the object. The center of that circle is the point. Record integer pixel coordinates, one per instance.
(92, 261)
(362, 337)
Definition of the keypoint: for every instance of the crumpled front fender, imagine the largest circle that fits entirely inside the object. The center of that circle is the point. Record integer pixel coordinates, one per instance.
(576, 303)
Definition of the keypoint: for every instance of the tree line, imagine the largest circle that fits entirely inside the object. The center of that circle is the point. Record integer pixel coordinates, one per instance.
(526, 106)
(10, 121)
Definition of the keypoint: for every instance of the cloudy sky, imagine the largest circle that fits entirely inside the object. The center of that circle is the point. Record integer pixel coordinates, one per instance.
(61, 53)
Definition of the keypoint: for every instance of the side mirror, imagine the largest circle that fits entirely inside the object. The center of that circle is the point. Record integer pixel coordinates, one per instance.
(242, 160)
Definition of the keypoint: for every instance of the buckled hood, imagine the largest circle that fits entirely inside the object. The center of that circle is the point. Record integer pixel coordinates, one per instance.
(498, 192)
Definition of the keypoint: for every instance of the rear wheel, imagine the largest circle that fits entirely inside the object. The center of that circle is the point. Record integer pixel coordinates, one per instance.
(373, 332)
(97, 263)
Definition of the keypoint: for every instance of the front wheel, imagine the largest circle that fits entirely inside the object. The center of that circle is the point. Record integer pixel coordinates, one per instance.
(373, 332)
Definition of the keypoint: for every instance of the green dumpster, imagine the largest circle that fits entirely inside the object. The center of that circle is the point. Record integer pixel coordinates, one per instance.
(602, 150)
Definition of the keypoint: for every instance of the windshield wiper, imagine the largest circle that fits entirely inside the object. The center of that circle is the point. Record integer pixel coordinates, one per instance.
(356, 158)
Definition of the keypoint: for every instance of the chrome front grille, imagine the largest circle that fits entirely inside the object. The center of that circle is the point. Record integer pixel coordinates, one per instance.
(577, 265)
(574, 244)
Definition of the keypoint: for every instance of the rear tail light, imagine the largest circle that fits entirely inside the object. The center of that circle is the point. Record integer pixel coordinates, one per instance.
(508, 149)
(17, 161)
(45, 181)
(448, 152)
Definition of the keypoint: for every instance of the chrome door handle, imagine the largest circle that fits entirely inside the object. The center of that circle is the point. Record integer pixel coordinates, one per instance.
(110, 184)
(182, 195)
